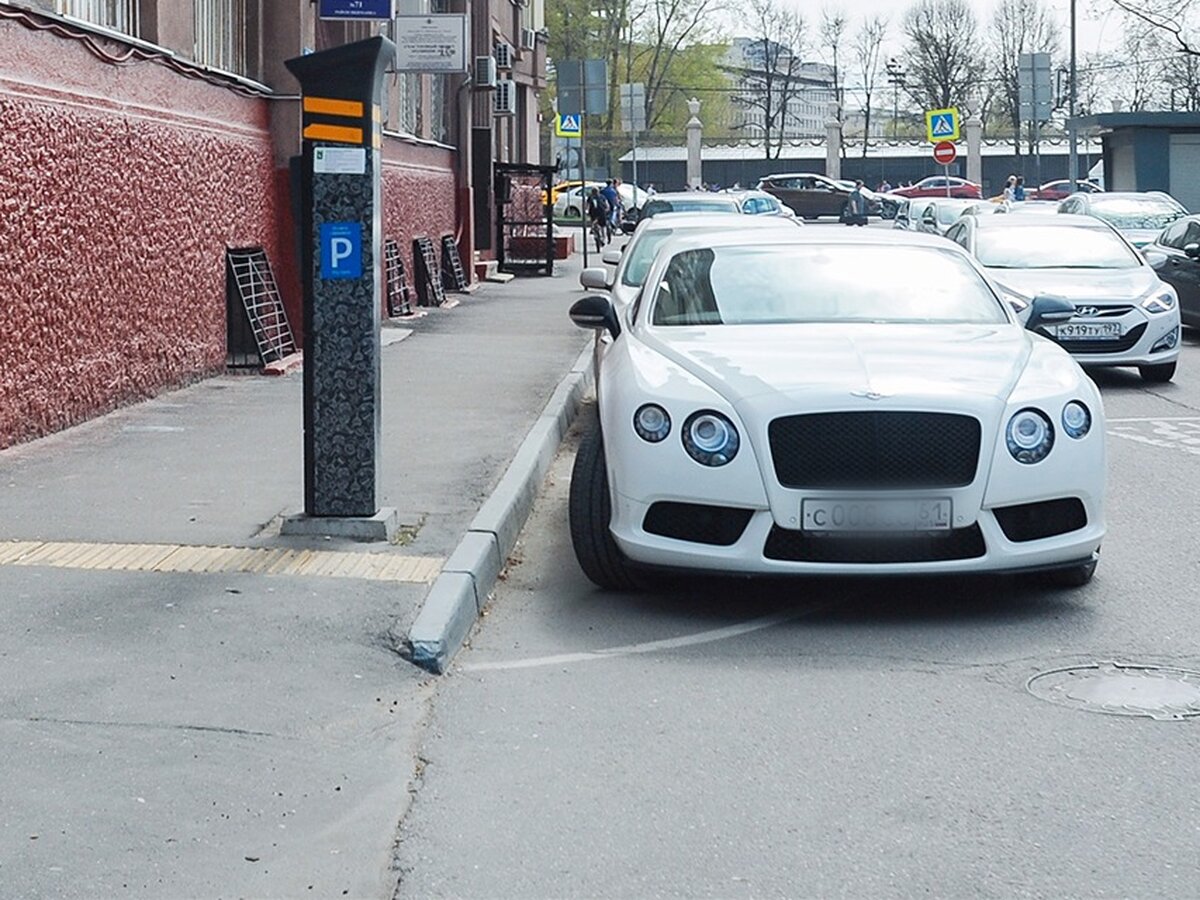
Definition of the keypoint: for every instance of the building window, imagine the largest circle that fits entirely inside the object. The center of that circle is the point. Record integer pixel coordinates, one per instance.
(220, 28)
(119, 15)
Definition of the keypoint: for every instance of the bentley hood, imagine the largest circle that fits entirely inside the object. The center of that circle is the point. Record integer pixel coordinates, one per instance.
(823, 364)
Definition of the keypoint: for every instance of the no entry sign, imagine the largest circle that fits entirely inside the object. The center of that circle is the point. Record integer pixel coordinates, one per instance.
(945, 152)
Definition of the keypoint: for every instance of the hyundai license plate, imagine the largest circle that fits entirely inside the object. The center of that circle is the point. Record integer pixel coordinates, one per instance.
(1089, 331)
(929, 514)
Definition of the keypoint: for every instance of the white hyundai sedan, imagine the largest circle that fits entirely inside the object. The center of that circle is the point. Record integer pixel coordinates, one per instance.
(1124, 314)
(764, 408)
(633, 261)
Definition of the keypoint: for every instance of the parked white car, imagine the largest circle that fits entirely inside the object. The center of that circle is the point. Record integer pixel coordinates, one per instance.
(633, 261)
(1124, 314)
(571, 203)
(765, 409)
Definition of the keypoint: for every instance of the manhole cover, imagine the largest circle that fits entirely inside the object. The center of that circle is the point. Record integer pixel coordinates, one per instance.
(1120, 689)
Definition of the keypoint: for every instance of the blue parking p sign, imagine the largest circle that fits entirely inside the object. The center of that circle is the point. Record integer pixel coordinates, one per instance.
(341, 250)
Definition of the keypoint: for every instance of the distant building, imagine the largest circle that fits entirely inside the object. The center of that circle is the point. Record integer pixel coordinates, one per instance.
(809, 87)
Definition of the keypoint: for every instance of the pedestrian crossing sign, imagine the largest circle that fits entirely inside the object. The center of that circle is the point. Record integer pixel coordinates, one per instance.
(569, 126)
(941, 125)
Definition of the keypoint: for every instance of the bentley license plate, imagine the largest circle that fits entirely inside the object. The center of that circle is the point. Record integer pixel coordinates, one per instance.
(928, 514)
(1089, 331)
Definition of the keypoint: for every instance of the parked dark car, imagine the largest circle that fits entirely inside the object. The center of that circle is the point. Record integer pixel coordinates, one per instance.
(812, 196)
(680, 201)
(1175, 255)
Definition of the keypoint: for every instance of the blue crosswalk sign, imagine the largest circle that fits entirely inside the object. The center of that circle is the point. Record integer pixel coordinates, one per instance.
(941, 125)
(569, 125)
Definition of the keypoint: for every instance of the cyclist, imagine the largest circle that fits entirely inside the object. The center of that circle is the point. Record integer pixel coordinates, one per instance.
(610, 194)
(597, 213)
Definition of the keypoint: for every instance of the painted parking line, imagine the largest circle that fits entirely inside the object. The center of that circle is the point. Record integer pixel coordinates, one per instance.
(687, 640)
(179, 558)
(1170, 432)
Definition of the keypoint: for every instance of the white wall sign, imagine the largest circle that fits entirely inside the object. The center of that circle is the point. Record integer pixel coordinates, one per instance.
(433, 43)
(339, 160)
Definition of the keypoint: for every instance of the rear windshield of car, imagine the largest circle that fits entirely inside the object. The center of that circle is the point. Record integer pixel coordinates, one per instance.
(1137, 212)
(1038, 247)
(698, 204)
(797, 283)
(641, 253)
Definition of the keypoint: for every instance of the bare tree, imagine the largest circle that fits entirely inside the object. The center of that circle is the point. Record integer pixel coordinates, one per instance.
(867, 47)
(1018, 26)
(834, 23)
(1179, 20)
(769, 69)
(944, 65)
(661, 33)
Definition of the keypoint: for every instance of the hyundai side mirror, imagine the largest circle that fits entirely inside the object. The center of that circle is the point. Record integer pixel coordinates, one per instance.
(594, 279)
(1192, 250)
(1049, 311)
(597, 312)
(611, 256)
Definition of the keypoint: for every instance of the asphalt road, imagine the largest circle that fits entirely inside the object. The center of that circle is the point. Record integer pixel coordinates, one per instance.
(839, 738)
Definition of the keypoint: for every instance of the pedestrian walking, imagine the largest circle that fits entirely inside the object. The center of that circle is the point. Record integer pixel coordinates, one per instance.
(856, 206)
(1019, 189)
(1010, 189)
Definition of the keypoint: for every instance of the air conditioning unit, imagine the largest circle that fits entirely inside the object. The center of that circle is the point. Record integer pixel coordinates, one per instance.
(504, 101)
(528, 38)
(485, 72)
(504, 55)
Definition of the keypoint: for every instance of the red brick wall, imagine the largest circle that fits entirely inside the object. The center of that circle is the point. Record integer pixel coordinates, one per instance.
(120, 188)
(418, 197)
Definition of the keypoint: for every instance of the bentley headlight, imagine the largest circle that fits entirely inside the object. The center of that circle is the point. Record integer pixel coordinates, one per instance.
(1160, 302)
(652, 423)
(1030, 436)
(1076, 419)
(709, 438)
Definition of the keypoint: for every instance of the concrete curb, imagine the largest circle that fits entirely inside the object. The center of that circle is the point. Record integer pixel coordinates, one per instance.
(460, 592)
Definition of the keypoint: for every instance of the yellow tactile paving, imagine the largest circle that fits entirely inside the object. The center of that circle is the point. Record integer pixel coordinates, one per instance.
(219, 560)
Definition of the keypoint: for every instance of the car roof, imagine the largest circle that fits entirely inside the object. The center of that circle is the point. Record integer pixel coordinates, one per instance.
(1105, 196)
(815, 236)
(793, 175)
(716, 219)
(1011, 221)
(691, 195)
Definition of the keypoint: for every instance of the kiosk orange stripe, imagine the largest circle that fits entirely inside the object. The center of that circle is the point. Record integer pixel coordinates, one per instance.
(334, 133)
(331, 107)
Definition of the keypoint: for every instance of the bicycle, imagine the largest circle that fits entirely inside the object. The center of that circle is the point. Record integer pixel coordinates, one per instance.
(600, 234)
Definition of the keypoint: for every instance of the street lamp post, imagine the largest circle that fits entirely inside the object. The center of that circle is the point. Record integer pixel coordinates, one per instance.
(1072, 148)
(895, 77)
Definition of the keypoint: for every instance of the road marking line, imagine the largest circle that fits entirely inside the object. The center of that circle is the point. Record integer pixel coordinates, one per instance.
(175, 558)
(687, 640)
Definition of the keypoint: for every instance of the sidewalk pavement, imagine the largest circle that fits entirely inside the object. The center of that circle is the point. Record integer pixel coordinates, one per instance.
(194, 706)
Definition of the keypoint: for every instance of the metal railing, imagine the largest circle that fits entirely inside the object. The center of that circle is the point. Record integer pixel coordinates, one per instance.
(119, 15)
(220, 34)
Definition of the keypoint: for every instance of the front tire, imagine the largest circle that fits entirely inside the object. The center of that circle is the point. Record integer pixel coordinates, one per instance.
(1159, 374)
(590, 511)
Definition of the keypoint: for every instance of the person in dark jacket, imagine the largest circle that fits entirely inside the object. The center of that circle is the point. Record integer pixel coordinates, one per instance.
(856, 206)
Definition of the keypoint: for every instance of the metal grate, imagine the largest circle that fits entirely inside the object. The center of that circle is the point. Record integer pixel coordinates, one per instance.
(719, 526)
(454, 277)
(253, 301)
(799, 546)
(874, 450)
(429, 280)
(397, 280)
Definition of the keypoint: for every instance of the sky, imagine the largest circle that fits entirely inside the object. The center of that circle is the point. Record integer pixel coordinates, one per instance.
(1099, 23)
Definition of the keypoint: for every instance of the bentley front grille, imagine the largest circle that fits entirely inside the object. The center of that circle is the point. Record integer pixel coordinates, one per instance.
(875, 450)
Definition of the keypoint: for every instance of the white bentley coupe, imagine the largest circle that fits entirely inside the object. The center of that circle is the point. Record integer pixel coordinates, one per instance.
(833, 403)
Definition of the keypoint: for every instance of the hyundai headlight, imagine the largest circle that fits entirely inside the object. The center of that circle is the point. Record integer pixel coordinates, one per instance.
(1030, 436)
(1160, 301)
(652, 423)
(709, 438)
(1076, 419)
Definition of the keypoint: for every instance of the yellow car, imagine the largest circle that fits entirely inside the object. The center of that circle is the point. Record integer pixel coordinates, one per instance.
(559, 188)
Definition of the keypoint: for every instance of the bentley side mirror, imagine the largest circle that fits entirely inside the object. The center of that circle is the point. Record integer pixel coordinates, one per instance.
(1049, 311)
(594, 279)
(598, 312)
(611, 256)
(1192, 250)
